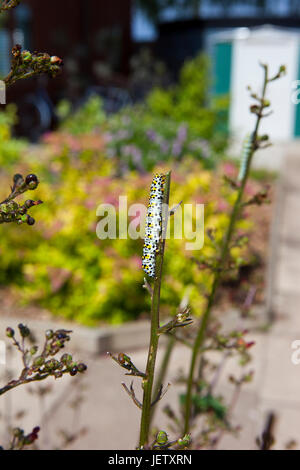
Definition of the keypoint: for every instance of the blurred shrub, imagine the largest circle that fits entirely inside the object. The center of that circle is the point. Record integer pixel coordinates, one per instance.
(146, 72)
(10, 148)
(87, 118)
(63, 266)
(189, 102)
(140, 140)
(174, 122)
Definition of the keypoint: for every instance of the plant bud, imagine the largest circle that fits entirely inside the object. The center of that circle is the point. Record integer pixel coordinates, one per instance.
(81, 367)
(56, 60)
(24, 330)
(49, 334)
(29, 203)
(185, 441)
(73, 371)
(26, 56)
(10, 332)
(282, 69)
(39, 361)
(66, 358)
(254, 109)
(18, 179)
(162, 438)
(32, 181)
(30, 220)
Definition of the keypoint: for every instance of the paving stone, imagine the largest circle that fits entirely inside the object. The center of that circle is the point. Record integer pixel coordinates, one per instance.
(107, 414)
(286, 308)
(290, 220)
(286, 427)
(281, 377)
(287, 276)
(290, 171)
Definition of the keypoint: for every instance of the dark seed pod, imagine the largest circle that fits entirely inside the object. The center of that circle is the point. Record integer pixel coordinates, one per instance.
(81, 367)
(73, 371)
(30, 220)
(31, 181)
(29, 203)
(24, 330)
(58, 374)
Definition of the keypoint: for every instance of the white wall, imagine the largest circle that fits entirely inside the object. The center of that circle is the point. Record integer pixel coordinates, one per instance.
(274, 48)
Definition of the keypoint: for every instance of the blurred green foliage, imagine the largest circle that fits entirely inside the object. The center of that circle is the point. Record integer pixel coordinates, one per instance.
(173, 122)
(94, 159)
(85, 119)
(189, 102)
(140, 140)
(10, 148)
(63, 266)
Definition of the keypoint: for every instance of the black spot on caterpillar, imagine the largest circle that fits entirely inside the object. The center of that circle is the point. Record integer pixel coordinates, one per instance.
(153, 225)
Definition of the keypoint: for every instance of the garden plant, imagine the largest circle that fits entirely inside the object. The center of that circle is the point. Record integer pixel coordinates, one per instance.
(63, 266)
(199, 400)
(38, 363)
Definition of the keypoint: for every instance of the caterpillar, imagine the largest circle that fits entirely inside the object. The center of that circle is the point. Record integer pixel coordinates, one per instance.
(246, 153)
(153, 225)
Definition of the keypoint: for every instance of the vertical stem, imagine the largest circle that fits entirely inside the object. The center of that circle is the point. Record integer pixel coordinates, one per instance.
(148, 381)
(163, 368)
(218, 273)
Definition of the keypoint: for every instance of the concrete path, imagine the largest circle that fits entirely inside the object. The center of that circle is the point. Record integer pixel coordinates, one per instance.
(107, 419)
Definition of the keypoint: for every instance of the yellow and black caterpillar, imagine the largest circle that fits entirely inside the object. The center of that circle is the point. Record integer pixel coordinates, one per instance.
(153, 224)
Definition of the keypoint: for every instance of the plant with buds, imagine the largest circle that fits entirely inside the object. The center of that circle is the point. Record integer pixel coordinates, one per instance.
(20, 440)
(10, 210)
(6, 5)
(37, 365)
(26, 65)
(150, 398)
(162, 442)
(257, 141)
(201, 402)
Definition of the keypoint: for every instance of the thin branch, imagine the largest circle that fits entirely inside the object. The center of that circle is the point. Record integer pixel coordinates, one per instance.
(131, 393)
(147, 286)
(161, 393)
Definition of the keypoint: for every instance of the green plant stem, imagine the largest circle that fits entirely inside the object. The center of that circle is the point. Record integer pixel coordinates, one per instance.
(163, 368)
(218, 273)
(154, 336)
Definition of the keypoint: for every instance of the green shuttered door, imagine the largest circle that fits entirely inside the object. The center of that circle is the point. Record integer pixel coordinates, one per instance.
(222, 78)
(223, 58)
